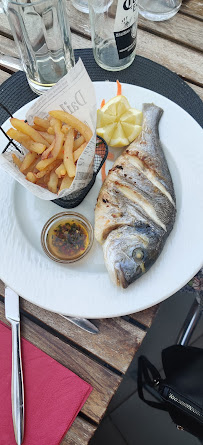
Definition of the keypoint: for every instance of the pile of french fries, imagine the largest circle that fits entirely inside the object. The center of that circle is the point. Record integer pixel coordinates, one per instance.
(54, 146)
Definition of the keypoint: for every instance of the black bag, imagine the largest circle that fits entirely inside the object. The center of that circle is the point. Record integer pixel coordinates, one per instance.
(181, 392)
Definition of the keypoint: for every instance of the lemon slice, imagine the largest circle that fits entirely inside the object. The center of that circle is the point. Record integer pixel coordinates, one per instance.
(117, 123)
(131, 131)
(118, 139)
(132, 116)
(104, 119)
(106, 132)
(116, 106)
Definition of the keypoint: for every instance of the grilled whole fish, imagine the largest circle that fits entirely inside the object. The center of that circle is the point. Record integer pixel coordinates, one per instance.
(135, 210)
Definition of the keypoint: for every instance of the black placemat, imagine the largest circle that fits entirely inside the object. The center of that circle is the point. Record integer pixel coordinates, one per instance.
(15, 92)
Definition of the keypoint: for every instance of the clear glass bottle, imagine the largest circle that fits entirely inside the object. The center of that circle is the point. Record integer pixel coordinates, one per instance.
(114, 32)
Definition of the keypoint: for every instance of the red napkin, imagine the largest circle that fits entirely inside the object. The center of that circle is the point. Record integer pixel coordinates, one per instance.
(53, 395)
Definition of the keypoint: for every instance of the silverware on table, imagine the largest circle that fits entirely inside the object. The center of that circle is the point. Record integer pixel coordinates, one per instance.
(82, 323)
(17, 391)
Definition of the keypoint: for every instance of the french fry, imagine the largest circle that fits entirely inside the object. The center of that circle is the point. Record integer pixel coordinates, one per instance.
(47, 152)
(61, 170)
(28, 130)
(65, 183)
(44, 123)
(78, 152)
(78, 142)
(68, 154)
(20, 137)
(58, 144)
(49, 137)
(32, 167)
(56, 124)
(65, 128)
(31, 177)
(54, 148)
(46, 179)
(16, 160)
(41, 165)
(53, 182)
(27, 161)
(37, 147)
(37, 127)
(51, 130)
(60, 155)
(71, 120)
(48, 169)
(25, 140)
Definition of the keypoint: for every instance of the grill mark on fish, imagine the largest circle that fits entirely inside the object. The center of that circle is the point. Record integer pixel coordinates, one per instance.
(143, 203)
(114, 202)
(137, 181)
(134, 160)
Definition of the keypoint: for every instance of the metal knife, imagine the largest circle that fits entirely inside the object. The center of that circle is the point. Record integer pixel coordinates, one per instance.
(83, 323)
(17, 391)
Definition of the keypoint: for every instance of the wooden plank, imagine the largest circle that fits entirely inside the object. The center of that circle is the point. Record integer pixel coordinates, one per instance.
(182, 60)
(185, 62)
(198, 90)
(79, 22)
(181, 29)
(80, 42)
(103, 380)
(146, 317)
(8, 47)
(80, 433)
(104, 345)
(3, 75)
(4, 27)
(193, 8)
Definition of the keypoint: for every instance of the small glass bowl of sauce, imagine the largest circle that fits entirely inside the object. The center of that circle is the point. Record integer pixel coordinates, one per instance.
(67, 237)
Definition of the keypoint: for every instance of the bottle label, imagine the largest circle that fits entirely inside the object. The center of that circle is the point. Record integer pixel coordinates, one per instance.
(125, 27)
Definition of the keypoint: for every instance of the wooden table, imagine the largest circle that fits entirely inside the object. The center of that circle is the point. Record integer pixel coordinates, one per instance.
(103, 359)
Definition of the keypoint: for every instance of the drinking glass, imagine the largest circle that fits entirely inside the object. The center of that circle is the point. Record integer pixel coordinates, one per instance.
(114, 32)
(42, 34)
(158, 10)
(81, 5)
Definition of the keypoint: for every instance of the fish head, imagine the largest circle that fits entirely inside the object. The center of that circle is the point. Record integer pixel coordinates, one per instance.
(129, 252)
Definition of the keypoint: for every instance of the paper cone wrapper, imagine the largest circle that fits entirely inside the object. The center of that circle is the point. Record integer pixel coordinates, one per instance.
(75, 94)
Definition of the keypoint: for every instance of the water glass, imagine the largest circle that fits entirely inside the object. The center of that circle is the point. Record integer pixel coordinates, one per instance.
(81, 5)
(114, 31)
(158, 10)
(42, 34)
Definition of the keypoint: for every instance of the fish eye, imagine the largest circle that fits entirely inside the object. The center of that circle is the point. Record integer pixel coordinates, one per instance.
(138, 254)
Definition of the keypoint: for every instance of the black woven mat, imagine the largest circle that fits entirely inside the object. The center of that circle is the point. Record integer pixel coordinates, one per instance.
(15, 92)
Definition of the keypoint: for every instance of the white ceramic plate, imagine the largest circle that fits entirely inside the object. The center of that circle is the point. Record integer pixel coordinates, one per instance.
(84, 289)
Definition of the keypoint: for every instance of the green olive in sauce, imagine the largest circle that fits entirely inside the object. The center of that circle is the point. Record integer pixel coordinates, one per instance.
(67, 239)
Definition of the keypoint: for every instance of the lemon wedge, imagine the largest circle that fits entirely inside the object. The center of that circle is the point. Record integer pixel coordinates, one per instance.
(132, 116)
(131, 131)
(107, 132)
(116, 106)
(104, 119)
(118, 138)
(118, 123)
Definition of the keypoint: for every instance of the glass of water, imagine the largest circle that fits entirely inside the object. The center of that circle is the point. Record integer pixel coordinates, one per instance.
(81, 5)
(42, 33)
(158, 10)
